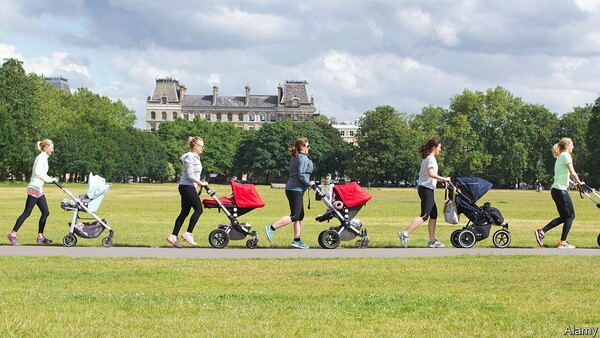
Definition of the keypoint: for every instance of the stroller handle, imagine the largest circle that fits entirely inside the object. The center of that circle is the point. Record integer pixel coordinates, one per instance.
(58, 184)
(317, 190)
(209, 191)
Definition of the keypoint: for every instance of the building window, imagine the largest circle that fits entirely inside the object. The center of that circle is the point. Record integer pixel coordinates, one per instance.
(351, 133)
(272, 117)
(196, 114)
(342, 133)
(241, 128)
(240, 117)
(219, 117)
(164, 99)
(153, 126)
(174, 115)
(229, 117)
(306, 117)
(294, 117)
(153, 116)
(186, 115)
(295, 101)
(251, 116)
(164, 116)
(262, 116)
(207, 116)
(251, 128)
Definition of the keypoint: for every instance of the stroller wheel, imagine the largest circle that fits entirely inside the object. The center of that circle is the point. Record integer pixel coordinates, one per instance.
(329, 239)
(218, 238)
(69, 240)
(466, 238)
(252, 243)
(454, 238)
(501, 239)
(107, 242)
(598, 240)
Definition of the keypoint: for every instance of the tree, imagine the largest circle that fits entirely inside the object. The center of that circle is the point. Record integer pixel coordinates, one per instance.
(593, 144)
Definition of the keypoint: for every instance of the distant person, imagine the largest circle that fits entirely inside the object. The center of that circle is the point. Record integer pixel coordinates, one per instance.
(563, 168)
(190, 180)
(35, 193)
(300, 169)
(428, 178)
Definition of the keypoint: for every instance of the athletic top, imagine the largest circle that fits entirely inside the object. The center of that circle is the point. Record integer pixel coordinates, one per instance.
(424, 179)
(39, 173)
(301, 167)
(192, 167)
(561, 171)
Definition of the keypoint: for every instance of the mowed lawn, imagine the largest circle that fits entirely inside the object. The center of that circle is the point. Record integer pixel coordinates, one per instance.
(468, 296)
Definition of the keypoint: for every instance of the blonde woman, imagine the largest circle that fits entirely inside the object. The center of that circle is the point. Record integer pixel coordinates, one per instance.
(190, 180)
(35, 193)
(563, 168)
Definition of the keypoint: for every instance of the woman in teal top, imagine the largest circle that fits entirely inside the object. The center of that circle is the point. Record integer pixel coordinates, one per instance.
(563, 168)
(35, 193)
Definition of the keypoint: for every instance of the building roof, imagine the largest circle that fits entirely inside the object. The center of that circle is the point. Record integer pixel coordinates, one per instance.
(230, 101)
(166, 87)
(59, 82)
(297, 89)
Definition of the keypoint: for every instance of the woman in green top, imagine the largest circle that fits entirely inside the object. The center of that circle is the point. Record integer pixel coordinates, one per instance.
(563, 168)
(35, 194)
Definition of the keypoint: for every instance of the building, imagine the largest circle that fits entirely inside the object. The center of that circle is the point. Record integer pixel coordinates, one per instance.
(169, 101)
(59, 82)
(348, 132)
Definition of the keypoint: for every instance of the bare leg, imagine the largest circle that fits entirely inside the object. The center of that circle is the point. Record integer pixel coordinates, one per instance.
(431, 226)
(413, 225)
(283, 221)
(297, 229)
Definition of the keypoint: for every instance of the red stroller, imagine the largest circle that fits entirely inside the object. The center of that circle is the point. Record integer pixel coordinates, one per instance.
(345, 202)
(244, 199)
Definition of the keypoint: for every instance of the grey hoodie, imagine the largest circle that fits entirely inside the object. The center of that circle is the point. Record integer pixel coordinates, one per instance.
(192, 167)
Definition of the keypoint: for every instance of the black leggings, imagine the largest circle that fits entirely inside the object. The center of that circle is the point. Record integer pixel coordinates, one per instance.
(564, 205)
(29, 204)
(428, 207)
(189, 200)
(296, 204)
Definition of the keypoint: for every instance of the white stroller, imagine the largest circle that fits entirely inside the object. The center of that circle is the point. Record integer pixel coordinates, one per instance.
(89, 203)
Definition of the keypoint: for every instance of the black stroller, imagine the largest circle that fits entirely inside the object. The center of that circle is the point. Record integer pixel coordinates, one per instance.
(586, 190)
(244, 199)
(343, 203)
(468, 191)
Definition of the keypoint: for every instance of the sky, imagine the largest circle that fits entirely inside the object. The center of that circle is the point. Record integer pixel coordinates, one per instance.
(355, 54)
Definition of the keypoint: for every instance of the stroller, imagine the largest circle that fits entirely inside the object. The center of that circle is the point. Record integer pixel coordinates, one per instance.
(343, 202)
(584, 189)
(244, 199)
(481, 218)
(89, 203)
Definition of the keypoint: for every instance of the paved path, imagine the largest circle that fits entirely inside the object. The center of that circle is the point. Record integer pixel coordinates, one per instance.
(278, 253)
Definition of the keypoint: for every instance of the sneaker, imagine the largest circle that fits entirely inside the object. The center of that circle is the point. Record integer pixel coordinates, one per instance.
(435, 244)
(13, 240)
(189, 237)
(173, 240)
(299, 245)
(269, 232)
(403, 238)
(539, 236)
(43, 240)
(565, 245)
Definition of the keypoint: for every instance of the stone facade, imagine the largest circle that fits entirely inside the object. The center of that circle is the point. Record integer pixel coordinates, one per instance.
(169, 101)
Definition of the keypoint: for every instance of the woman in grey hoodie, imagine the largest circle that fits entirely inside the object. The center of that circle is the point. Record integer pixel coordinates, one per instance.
(301, 167)
(190, 180)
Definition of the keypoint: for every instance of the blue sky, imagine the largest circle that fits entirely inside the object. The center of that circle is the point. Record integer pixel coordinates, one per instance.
(354, 54)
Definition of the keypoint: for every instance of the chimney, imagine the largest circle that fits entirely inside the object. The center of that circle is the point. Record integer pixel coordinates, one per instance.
(279, 93)
(215, 93)
(247, 101)
(182, 90)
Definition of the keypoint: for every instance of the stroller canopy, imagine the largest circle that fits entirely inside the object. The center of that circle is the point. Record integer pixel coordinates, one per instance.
(473, 187)
(97, 187)
(246, 196)
(352, 194)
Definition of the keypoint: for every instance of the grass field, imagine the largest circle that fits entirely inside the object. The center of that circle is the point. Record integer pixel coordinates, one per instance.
(512, 296)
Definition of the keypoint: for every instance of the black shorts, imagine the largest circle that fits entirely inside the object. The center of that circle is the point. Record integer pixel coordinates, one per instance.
(295, 199)
(428, 207)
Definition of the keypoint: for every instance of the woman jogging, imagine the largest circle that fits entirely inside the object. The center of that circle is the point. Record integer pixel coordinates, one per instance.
(301, 168)
(428, 178)
(35, 193)
(563, 168)
(190, 179)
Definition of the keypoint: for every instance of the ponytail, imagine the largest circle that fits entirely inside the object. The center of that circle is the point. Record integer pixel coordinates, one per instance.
(301, 141)
(561, 146)
(425, 148)
(40, 145)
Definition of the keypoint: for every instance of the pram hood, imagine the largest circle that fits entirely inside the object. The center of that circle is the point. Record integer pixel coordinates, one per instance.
(97, 187)
(246, 196)
(352, 194)
(473, 187)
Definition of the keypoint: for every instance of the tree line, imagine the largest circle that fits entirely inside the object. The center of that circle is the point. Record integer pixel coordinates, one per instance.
(491, 134)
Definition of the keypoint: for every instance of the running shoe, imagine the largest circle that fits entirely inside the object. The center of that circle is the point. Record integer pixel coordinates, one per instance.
(189, 237)
(13, 240)
(565, 245)
(173, 240)
(299, 245)
(539, 236)
(43, 240)
(403, 238)
(269, 232)
(435, 244)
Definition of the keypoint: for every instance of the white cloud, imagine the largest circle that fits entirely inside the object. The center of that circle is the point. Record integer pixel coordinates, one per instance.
(9, 51)
(592, 6)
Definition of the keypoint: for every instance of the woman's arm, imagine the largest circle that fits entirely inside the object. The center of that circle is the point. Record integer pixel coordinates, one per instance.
(433, 175)
(573, 174)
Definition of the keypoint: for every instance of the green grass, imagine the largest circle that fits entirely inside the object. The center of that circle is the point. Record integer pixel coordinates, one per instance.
(486, 296)
(143, 215)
